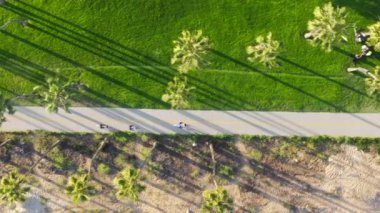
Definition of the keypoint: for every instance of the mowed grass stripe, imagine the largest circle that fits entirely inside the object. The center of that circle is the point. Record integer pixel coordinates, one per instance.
(215, 90)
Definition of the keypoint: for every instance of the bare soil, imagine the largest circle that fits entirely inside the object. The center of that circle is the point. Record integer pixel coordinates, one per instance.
(260, 175)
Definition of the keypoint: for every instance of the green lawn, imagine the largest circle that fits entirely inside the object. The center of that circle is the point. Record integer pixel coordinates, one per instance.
(122, 49)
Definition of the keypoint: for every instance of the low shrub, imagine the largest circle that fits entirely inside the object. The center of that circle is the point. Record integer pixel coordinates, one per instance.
(103, 169)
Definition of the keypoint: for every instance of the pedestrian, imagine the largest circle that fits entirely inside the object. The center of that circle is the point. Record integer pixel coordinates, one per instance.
(103, 126)
(308, 36)
(181, 125)
(361, 37)
(366, 51)
(132, 128)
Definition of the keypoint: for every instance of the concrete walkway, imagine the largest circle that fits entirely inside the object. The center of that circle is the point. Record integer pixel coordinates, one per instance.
(84, 119)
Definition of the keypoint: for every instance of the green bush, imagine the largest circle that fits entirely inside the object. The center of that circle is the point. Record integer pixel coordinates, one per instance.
(143, 137)
(60, 162)
(255, 154)
(43, 140)
(120, 160)
(285, 150)
(226, 171)
(103, 169)
(122, 137)
(246, 138)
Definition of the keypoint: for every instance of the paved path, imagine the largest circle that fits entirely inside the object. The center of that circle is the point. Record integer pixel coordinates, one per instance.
(84, 119)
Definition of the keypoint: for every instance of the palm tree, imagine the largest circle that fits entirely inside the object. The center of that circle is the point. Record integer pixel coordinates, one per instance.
(374, 39)
(217, 200)
(79, 189)
(189, 50)
(265, 51)
(328, 26)
(5, 107)
(373, 82)
(178, 93)
(58, 93)
(12, 189)
(127, 184)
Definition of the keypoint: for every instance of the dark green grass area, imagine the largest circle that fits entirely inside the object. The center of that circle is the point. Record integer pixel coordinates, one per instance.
(121, 49)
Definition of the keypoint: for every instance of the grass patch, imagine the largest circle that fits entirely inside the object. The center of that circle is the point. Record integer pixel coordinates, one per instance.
(124, 59)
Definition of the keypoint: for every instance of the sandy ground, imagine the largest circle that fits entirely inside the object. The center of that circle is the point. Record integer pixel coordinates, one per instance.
(348, 181)
(354, 177)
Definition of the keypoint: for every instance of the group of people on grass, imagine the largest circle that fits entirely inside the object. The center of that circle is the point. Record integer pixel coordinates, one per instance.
(360, 37)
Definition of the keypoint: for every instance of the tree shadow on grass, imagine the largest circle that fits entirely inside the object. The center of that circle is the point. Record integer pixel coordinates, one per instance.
(93, 71)
(280, 81)
(300, 90)
(367, 8)
(326, 77)
(32, 72)
(119, 54)
(364, 60)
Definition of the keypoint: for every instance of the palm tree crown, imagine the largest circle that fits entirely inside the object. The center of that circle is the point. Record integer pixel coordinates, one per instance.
(127, 184)
(189, 50)
(217, 201)
(57, 94)
(178, 93)
(328, 26)
(79, 189)
(12, 189)
(374, 39)
(265, 51)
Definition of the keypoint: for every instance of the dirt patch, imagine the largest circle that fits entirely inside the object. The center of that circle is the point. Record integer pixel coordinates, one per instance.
(354, 177)
(261, 174)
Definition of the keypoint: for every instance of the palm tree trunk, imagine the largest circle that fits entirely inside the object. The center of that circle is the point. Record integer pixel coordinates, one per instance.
(5, 142)
(104, 142)
(151, 151)
(212, 151)
(47, 152)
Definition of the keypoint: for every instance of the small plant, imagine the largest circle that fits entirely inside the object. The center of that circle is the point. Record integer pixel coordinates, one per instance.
(127, 184)
(265, 51)
(374, 39)
(146, 153)
(103, 169)
(12, 189)
(79, 189)
(154, 167)
(189, 50)
(120, 160)
(143, 137)
(246, 138)
(226, 171)
(285, 150)
(322, 156)
(217, 201)
(42, 140)
(255, 154)
(60, 162)
(122, 136)
(195, 173)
